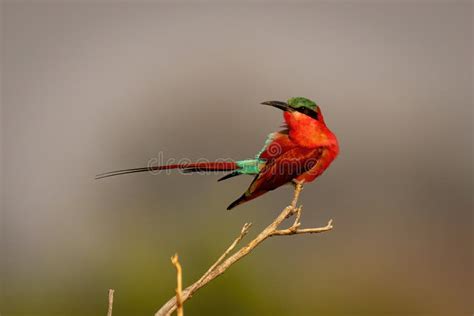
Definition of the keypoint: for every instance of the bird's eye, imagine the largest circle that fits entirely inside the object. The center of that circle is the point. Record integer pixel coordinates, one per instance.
(306, 111)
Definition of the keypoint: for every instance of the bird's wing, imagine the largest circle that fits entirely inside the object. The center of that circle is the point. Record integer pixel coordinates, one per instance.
(275, 145)
(280, 170)
(325, 159)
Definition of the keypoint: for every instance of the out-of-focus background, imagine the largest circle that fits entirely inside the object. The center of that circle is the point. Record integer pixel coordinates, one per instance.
(89, 87)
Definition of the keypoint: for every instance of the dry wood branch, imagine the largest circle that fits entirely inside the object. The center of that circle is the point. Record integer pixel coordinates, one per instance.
(243, 232)
(179, 287)
(111, 302)
(224, 262)
(294, 230)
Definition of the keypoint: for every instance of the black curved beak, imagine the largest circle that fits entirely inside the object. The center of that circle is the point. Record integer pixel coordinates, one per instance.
(278, 104)
(285, 107)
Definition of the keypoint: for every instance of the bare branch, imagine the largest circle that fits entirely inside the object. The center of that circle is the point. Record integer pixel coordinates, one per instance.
(179, 288)
(294, 230)
(245, 229)
(224, 262)
(111, 302)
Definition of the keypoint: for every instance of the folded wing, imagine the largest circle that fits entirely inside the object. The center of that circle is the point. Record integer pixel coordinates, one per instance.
(281, 167)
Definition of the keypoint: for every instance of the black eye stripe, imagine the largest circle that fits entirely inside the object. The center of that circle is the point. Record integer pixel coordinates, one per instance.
(309, 112)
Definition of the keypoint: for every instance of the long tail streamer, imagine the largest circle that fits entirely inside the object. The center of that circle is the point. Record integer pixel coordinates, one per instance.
(187, 167)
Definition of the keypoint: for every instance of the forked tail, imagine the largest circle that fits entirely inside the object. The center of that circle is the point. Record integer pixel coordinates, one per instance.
(186, 167)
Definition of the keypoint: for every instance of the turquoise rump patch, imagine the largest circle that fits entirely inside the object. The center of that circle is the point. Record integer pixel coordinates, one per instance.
(250, 166)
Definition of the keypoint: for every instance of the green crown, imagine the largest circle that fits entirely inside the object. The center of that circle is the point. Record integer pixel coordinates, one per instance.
(300, 102)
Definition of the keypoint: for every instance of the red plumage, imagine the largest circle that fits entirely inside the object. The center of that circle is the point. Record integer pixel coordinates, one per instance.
(301, 153)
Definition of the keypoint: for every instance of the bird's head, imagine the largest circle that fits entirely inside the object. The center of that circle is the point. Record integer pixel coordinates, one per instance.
(299, 104)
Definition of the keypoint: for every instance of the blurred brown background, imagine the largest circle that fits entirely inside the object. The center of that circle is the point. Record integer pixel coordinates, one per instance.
(90, 87)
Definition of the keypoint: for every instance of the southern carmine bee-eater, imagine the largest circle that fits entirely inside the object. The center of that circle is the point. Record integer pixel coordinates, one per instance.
(298, 153)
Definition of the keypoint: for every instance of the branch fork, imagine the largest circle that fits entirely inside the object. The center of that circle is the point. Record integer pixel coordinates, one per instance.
(225, 261)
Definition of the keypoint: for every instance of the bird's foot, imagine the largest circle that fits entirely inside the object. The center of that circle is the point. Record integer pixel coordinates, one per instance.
(297, 183)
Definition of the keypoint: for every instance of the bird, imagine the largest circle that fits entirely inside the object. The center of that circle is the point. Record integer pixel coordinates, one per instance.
(299, 153)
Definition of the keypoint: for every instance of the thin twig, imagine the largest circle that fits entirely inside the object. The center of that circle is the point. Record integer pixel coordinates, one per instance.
(245, 229)
(294, 230)
(179, 288)
(111, 302)
(224, 262)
